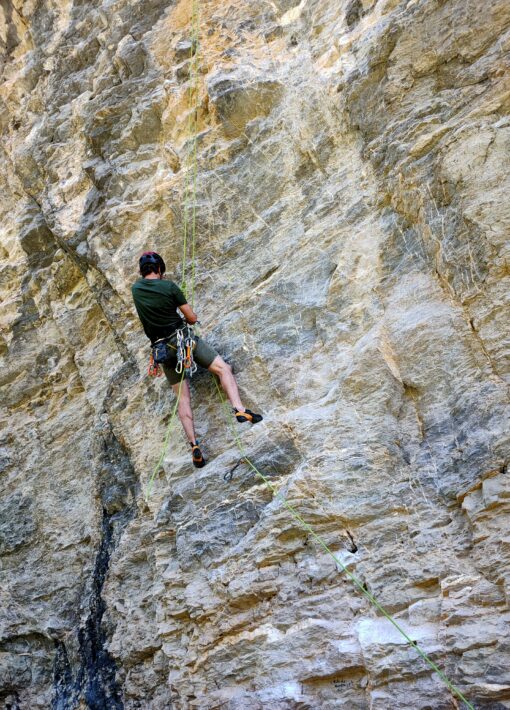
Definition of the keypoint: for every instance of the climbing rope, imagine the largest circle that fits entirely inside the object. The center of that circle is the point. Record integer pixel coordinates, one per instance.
(191, 192)
(320, 541)
(166, 441)
(195, 90)
(190, 169)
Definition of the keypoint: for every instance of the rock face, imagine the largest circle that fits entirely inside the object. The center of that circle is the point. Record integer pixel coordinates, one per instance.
(351, 263)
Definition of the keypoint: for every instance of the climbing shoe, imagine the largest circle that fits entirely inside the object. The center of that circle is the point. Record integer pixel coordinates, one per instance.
(197, 457)
(247, 416)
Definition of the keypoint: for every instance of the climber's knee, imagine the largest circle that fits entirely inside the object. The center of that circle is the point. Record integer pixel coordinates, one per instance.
(181, 389)
(218, 366)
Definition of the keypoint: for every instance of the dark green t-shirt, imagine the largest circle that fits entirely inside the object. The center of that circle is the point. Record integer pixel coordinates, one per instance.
(156, 301)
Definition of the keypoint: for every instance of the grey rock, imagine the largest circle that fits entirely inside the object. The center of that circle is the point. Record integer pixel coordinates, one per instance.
(17, 523)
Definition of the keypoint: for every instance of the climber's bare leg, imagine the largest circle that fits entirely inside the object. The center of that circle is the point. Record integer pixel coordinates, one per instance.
(219, 367)
(184, 409)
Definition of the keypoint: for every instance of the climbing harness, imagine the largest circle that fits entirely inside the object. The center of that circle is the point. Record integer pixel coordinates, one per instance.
(161, 352)
(185, 344)
(187, 364)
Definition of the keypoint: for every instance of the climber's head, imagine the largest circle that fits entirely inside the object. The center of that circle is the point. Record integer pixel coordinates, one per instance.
(151, 263)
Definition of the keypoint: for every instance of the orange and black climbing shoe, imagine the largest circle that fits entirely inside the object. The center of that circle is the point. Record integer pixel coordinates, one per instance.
(247, 416)
(197, 457)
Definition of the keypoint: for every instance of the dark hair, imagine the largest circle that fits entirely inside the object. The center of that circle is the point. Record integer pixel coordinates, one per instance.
(150, 269)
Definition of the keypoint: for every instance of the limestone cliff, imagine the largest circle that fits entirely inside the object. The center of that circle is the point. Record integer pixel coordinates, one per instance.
(351, 263)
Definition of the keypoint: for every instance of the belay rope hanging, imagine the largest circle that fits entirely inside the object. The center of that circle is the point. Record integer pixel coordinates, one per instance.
(190, 225)
(190, 191)
(191, 167)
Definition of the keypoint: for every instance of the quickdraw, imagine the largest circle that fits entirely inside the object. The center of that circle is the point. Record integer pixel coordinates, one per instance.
(185, 346)
(229, 475)
(154, 368)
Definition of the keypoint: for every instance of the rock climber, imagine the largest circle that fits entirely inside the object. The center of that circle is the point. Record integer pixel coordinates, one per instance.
(156, 301)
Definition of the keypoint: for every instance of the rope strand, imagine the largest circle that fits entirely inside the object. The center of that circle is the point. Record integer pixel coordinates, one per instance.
(196, 65)
(189, 187)
(190, 165)
(320, 541)
(191, 191)
(166, 441)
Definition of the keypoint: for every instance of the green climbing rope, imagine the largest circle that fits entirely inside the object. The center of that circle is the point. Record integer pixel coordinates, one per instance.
(190, 192)
(320, 541)
(166, 441)
(189, 196)
(195, 89)
(190, 167)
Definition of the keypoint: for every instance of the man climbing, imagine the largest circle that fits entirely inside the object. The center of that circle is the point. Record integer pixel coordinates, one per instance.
(156, 301)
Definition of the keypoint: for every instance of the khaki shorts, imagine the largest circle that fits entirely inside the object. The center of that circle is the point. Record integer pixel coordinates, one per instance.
(203, 354)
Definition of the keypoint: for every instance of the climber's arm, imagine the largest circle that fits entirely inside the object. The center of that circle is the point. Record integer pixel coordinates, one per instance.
(188, 312)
